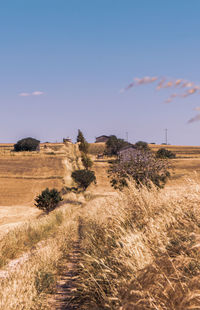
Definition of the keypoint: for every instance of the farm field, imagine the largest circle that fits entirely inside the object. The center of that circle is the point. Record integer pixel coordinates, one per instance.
(186, 164)
(180, 150)
(89, 228)
(24, 175)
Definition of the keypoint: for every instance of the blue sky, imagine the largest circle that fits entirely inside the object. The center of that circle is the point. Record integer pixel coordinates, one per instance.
(79, 54)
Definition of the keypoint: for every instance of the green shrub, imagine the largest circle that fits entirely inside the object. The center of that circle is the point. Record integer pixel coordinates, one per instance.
(27, 144)
(48, 200)
(86, 161)
(83, 178)
(142, 146)
(164, 153)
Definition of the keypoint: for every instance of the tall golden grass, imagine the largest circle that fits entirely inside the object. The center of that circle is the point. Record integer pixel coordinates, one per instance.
(24, 237)
(27, 283)
(141, 250)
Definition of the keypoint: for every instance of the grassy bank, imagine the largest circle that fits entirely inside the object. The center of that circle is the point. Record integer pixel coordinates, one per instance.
(23, 238)
(27, 282)
(141, 251)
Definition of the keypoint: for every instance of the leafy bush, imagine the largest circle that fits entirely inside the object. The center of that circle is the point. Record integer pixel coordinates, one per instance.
(48, 200)
(26, 144)
(86, 160)
(143, 168)
(113, 145)
(143, 146)
(83, 178)
(164, 153)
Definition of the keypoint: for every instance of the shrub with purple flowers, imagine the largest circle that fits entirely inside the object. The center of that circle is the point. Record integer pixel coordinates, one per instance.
(144, 168)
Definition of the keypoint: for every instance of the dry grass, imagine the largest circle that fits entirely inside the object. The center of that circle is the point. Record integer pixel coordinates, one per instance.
(24, 237)
(103, 183)
(180, 150)
(96, 148)
(12, 216)
(23, 177)
(141, 251)
(140, 248)
(26, 285)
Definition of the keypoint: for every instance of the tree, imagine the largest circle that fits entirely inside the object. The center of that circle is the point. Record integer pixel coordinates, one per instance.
(83, 144)
(113, 145)
(48, 200)
(144, 168)
(83, 147)
(26, 144)
(86, 160)
(164, 153)
(143, 146)
(83, 178)
(80, 137)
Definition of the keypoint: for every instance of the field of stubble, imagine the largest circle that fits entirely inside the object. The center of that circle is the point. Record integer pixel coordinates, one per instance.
(23, 176)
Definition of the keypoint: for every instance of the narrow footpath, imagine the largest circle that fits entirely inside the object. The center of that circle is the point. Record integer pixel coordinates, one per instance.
(66, 288)
(64, 298)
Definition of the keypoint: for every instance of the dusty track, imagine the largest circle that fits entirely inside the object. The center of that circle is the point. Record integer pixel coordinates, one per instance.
(66, 289)
(64, 299)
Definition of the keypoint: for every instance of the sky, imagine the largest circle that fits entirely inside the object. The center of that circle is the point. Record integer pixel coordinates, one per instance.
(63, 63)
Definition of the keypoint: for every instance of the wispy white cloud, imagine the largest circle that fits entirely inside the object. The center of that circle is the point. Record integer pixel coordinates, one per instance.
(184, 87)
(24, 94)
(140, 81)
(188, 88)
(196, 118)
(35, 93)
(190, 92)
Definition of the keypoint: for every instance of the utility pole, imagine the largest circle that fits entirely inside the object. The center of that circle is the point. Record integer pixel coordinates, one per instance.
(127, 136)
(166, 142)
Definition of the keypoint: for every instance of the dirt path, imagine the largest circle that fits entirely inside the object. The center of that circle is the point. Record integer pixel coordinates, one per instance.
(64, 299)
(66, 289)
